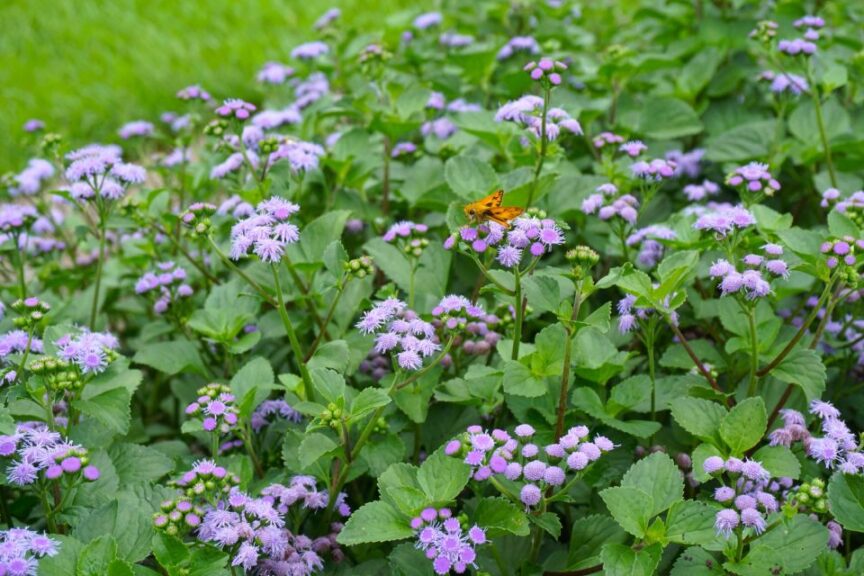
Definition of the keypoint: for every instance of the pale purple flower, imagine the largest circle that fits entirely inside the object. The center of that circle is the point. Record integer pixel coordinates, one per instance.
(310, 51)
(138, 128)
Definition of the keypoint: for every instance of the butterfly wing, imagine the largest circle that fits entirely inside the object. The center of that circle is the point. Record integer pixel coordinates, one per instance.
(503, 214)
(479, 210)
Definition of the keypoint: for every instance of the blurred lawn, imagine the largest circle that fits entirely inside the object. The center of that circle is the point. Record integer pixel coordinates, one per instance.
(87, 66)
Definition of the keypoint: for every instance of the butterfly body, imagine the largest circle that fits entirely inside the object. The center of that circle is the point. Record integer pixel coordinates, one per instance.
(490, 209)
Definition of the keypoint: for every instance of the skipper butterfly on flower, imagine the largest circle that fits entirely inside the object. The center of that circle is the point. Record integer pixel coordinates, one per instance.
(490, 209)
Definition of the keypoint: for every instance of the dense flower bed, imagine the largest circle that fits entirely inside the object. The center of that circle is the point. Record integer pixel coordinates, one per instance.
(307, 334)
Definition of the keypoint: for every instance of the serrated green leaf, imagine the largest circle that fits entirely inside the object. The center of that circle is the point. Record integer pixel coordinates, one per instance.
(744, 425)
(375, 522)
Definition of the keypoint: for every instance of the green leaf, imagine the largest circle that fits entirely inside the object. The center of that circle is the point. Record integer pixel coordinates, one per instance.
(841, 225)
(779, 461)
(621, 560)
(382, 452)
(691, 522)
(375, 522)
(470, 178)
(94, 558)
(252, 384)
(111, 408)
(329, 384)
(169, 550)
(698, 72)
(660, 478)
(405, 560)
(697, 562)
(549, 522)
(520, 381)
(499, 516)
(803, 124)
(398, 485)
(630, 507)
(139, 464)
(367, 401)
(587, 538)
(543, 293)
(65, 562)
(171, 357)
(846, 500)
(741, 143)
(443, 477)
(120, 568)
(317, 235)
(335, 355)
(804, 368)
(787, 549)
(744, 425)
(313, 447)
(667, 118)
(390, 260)
(699, 417)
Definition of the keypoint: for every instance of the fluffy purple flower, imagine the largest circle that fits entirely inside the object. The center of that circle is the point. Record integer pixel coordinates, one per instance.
(518, 44)
(725, 522)
(236, 108)
(310, 51)
(138, 128)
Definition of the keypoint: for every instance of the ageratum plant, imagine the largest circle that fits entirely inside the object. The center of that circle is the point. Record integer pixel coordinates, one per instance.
(297, 330)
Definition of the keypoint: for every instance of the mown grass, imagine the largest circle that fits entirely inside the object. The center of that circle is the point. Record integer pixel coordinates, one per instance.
(87, 66)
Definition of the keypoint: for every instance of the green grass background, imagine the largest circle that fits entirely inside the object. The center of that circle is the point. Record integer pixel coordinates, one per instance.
(87, 66)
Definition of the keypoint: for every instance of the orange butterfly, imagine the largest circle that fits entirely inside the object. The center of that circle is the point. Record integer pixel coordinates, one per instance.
(489, 208)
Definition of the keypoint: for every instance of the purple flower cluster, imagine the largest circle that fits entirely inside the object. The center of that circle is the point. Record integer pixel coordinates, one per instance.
(403, 149)
(266, 232)
(546, 71)
(98, 170)
(537, 235)
(754, 177)
(21, 549)
(517, 458)
(455, 40)
(16, 218)
(91, 352)
(749, 495)
(274, 73)
(206, 481)
(428, 20)
(272, 409)
(518, 44)
(38, 451)
(839, 446)
(194, 92)
(444, 541)
(607, 203)
(785, 82)
(270, 119)
(30, 180)
(236, 108)
(607, 139)
(723, 219)
(687, 164)
(456, 314)
(841, 250)
(751, 281)
(634, 148)
(15, 342)
(651, 251)
(409, 236)
(527, 111)
(400, 331)
(215, 407)
(327, 18)
(169, 283)
(301, 156)
(656, 170)
(630, 314)
(310, 50)
(797, 46)
(136, 129)
(699, 192)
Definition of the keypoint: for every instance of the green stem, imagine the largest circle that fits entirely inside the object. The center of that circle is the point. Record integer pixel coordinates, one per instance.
(99, 266)
(485, 273)
(19, 268)
(754, 352)
(649, 346)
(739, 551)
(292, 337)
(543, 144)
(411, 283)
(257, 287)
(330, 311)
(565, 372)
(49, 513)
(517, 328)
(820, 122)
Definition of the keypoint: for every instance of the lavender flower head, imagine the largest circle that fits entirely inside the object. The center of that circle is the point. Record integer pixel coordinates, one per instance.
(546, 71)
(39, 452)
(21, 549)
(607, 203)
(274, 73)
(97, 170)
(91, 352)
(474, 328)
(194, 92)
(301, 156)
(401, 332)
(266, 232)
(656, 170)
(30, 180)
(215, 408)
(723, 219)
(607, 139)
(328, 18)
(651, 250)
(136, 129)
(236, 108)
(310, 51)
(516, 458)
(409, 236)
(168, 282)
(446, 542)
(34, 125)
(518, 44)
(428, 20)
(270, 410)
(754, 177)
(633, 148)
(687, 164)
(527, 112)
(797, 47)
(699, 192)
